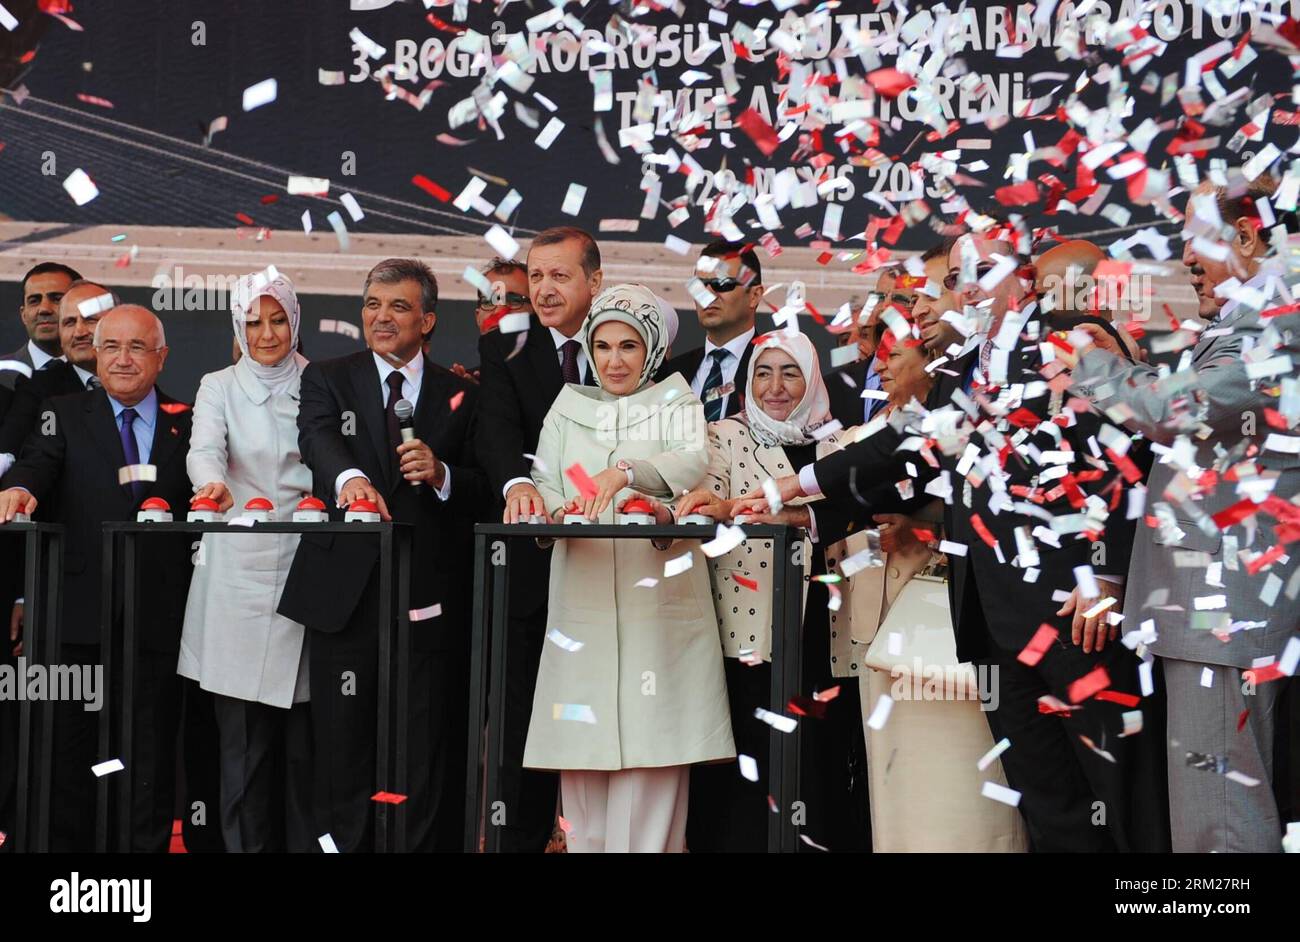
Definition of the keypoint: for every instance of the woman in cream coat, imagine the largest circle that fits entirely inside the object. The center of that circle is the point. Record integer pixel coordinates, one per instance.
(923, 762)
(630, 690)
(784, 426)
(254, 661)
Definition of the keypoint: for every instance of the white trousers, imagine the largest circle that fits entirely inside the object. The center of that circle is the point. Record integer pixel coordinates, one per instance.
(636, 811)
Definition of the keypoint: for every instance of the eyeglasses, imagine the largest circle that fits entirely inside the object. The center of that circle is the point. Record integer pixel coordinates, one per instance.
(720, 285)
(135, 349)
(981, 269)
(513, 301)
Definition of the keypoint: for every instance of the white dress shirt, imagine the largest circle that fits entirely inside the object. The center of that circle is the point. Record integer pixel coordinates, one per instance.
(412, 376)
(39, 356)
(735, 348)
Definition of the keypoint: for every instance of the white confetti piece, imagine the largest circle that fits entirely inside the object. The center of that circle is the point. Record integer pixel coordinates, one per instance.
(748, 767)
(1207, 677)
(726, 540)
(80, 187)
(991, 756)
(549, 133)
(1008, 796)
(263, 93)
(677, 244)
(327, 844)
(340, 230)
(811, 843)
(894, 644)
(241, 521)
(1209, 603)
(107, 768)
(7, 19)
(1146, 677)
(649, 582)
(952, 549)
(352, 206)
(1241, 778)
(18, 366)
(306, 221)
(1087, 582)
(136, 472)
(678, 565)
(331, 77)
(880, 714)
(516, 323)
(574, 712)
(573, 199)
(563, 641)
(366, 44)
(1132, 722)
(424, 614)
(784, 724)
(93, 307)
(308, 186)
(501, 242)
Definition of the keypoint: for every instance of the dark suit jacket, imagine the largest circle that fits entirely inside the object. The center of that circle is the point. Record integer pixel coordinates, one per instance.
(847, 404)
(688, 364)
(73, 475)
(57, 379)
(341, 425)
(1012, 609)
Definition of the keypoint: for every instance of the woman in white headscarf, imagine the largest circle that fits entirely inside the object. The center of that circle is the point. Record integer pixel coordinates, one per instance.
(785, 424)
(244, 444)
(630, 690)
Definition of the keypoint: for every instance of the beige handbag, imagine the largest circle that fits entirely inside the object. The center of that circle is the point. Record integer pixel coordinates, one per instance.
(921, 615)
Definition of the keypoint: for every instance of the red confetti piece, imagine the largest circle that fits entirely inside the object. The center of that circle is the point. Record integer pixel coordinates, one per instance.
(890, 82)
(1235, 514)
(827, 695)
(565, 826)
(806, 706)
(1115, 696)
(1023, 418)
(245, 219)
(1241, 720)
(1262, 675)
(747, 583)
(582, 481)
(1043, 639)
(270, 198)
(759, 131)
(431, 188)
(1018, 194)
(925, 536)
(1090, 683)
(174, 408)
(388, 798)
(1267, 558)
(93, 100)
(456, 400)
(983, 531)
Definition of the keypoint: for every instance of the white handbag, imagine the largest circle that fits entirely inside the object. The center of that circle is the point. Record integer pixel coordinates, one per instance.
(921, 616)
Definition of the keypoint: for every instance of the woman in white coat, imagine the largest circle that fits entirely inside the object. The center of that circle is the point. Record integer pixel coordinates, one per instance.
(630, 690)
(245, 444)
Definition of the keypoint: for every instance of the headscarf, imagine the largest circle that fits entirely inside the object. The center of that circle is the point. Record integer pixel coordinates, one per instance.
(280, 376)
(642, 310)
(812, 411)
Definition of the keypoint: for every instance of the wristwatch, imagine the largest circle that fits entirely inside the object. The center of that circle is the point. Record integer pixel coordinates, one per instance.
(626, 467)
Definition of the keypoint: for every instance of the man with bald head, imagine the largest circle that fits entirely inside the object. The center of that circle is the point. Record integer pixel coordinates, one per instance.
(1060, 272)
(69, 471)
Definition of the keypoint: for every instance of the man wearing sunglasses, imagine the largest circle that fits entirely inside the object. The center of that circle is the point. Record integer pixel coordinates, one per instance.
(733, 275)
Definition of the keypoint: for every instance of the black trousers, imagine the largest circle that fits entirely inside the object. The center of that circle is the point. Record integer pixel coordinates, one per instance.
(1074, 799)
(266, 776)
(9, 715)
(529, 794)
(344, 715)
(153, 764)
(729, 814)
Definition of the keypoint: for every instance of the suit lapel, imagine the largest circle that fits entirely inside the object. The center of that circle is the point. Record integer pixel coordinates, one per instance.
(545, 362)
(366, 394)
(167, 431)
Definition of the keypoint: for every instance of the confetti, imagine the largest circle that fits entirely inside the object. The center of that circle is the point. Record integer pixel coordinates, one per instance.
(80, 187)
(327, 844)
(501, 242)
(263, 93)
(784, 724)
(107, 768)
(880, 714)
(678, 565)
(562, 641)
(352, 206)
(587, 489)
(726, 539)
(136, 472)
(573, 712)
(1091, 682)
(1008, 796)
(573, 199)
(388, 798)
(748, 767)
(423, 614)
(991, 756)
(7, 19)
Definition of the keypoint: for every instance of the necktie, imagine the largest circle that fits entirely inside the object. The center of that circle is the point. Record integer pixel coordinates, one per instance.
(131, 451)
(569, 364)
(394, 427)
(713, 407)
(93, 383)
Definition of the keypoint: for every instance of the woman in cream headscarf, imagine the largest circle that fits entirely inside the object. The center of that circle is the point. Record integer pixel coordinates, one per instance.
(244, 444)
(630, 690)
(785, 425)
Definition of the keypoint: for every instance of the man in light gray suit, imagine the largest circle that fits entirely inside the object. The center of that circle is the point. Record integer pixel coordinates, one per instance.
(1212, 589)
(43, 289)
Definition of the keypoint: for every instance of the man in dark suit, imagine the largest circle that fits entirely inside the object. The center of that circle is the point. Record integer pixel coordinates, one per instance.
(521, 374)
(1009, 577)
(70, 471)
(350, 437)
(717, 371)
(43, 288)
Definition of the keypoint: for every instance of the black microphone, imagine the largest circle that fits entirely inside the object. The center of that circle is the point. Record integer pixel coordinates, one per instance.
(404, 409)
